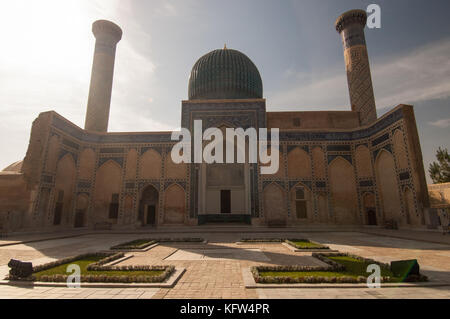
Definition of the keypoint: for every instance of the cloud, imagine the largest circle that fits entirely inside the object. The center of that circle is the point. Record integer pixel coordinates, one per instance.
(420, 75)
(444, 123)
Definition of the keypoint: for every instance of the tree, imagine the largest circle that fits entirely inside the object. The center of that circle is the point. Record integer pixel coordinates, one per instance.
(440, 170)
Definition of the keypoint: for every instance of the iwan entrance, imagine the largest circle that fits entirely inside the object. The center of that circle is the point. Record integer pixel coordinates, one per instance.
(224, 193)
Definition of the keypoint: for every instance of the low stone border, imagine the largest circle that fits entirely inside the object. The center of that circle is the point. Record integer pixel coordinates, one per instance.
(169, 283)
(103, 265)
(309, 250)
(129, 246)
(137, 250)
(118, 261)
(153, 242)
(250, 283)
(261, 240)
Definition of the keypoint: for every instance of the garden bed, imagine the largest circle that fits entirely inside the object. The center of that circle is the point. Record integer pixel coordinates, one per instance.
(94, 269)
(342, 268)
(305, 244)
(293, 244)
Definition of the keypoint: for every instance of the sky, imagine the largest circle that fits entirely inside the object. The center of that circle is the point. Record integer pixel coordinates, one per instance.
(47, 50)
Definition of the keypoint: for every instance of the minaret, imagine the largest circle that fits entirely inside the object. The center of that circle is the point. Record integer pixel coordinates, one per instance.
(351, 27)
(107, 36)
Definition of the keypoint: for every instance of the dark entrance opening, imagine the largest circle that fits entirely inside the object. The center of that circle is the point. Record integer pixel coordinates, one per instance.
(58, 214)
(79, 218)
(148, 206)
(151, 215)
(57, 217)
(225, 201)
(371, 217)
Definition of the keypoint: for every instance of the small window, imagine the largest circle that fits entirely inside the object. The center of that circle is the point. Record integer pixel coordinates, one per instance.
(60, 196)
(115, 198)
(300, 193)
(297, 122)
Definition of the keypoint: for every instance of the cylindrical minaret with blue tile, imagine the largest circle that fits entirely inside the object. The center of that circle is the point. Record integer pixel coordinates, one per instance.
(351, 27)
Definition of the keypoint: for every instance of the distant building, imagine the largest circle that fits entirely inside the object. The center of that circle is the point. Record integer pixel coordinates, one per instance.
(440, 198)
(336, 168)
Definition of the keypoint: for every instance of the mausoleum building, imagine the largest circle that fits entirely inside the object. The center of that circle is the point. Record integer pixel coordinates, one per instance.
(336, 167)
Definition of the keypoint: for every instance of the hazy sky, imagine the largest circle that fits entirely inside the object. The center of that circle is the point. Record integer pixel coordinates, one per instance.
(47, 49)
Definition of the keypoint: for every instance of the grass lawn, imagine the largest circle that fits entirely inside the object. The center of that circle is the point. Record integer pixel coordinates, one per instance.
(83, 263)
(354, 268)
(359, 267)
(306, 244)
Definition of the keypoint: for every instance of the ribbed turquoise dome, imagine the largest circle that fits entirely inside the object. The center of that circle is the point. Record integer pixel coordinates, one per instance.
(225, 74)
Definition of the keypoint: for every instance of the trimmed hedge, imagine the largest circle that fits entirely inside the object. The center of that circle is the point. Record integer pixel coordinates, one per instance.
(99, 266)
(333, 266)
(262, 240)
(306, 279)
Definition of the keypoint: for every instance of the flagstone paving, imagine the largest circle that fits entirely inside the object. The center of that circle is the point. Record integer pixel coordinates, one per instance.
(214, 270)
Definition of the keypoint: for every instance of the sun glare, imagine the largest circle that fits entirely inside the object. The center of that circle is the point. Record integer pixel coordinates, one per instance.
(49, 36)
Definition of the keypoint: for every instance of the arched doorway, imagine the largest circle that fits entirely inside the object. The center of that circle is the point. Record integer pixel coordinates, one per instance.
(275, 205)
(81, 212)
(370, 209)
(371, 217)
(343, 192)
(148, 206)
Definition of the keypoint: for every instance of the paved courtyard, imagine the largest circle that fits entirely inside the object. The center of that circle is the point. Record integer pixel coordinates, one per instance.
(214, 270)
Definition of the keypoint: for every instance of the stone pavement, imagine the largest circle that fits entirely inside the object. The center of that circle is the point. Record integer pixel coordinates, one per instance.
(214, 270)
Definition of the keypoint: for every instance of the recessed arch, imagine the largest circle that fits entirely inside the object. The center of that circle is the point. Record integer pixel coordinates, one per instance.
(299, 164)
(87, 164)
(149, 205)
(52, 154)
(275, 204)
(150, 165)
(388, 188)
(64, 186)
(343, 191)
(363, 161)
(174, 205)
(131, 164)
(400, 149)
(108, 183)
(318, 156)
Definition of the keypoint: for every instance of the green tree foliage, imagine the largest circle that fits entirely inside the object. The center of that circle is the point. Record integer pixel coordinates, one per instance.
(440, 170)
